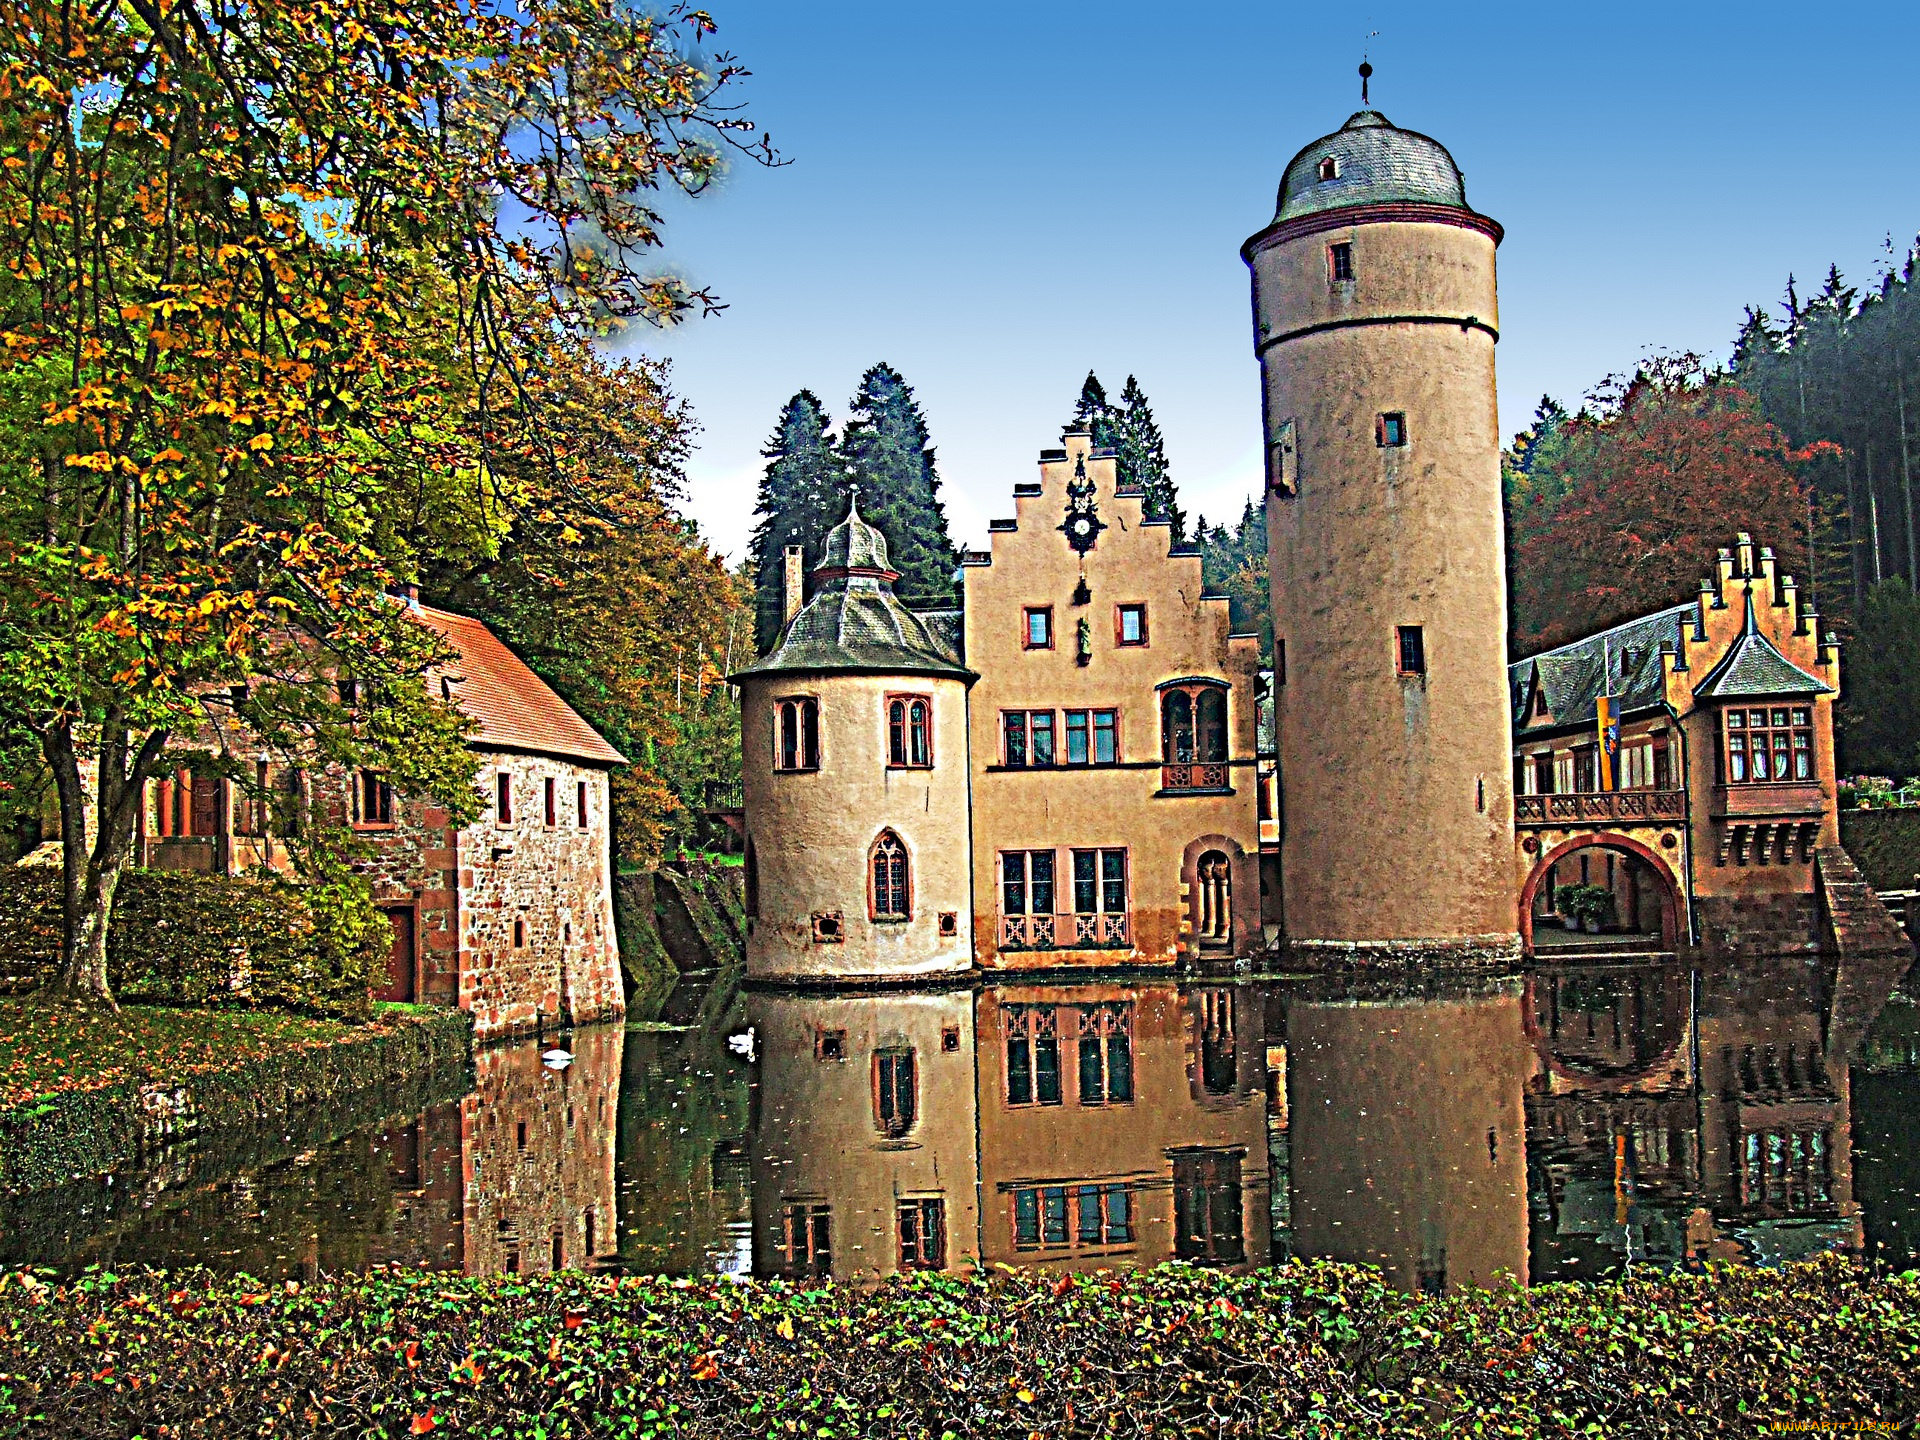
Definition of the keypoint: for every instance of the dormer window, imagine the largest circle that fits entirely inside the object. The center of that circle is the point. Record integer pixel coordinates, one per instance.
(1329, 168)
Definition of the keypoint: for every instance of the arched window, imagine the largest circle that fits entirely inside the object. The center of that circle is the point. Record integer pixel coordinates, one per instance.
(892, 896)
(909, 731)
(1212, 726)
(797, 734)
(1193, 734)
(1176, 727)
(895, 1096)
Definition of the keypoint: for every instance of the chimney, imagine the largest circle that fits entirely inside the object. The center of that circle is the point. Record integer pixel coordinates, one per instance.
(791, 575)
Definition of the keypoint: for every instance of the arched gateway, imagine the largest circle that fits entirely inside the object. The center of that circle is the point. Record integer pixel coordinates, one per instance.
(1646, 878)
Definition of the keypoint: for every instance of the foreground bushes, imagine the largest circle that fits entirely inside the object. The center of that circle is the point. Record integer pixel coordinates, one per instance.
(1316, 1349)
(185, 939)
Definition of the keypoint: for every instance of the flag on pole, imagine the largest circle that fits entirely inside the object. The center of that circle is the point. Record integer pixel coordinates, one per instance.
(1609, 740)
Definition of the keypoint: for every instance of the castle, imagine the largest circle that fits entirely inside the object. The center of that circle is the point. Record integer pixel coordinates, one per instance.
(1084, 766)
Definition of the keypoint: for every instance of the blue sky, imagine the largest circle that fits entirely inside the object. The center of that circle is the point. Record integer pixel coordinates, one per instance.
(994, 198)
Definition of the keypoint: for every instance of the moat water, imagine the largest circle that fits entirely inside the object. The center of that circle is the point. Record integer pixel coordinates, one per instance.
(1563, 1123)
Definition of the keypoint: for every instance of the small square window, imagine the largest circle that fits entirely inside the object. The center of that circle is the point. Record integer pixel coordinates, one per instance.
(1390, 431)
(1329, 168)
(950, 1040)
(949, 924)
(828, 928)
(1340, 261)
(1039, 631)
(1131, 624)
(830, 1045)
(1412, 657)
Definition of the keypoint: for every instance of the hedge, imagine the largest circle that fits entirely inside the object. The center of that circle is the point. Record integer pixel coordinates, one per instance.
(69, 1133)
(186, 939)
(1315, 1349)
(1885, 844)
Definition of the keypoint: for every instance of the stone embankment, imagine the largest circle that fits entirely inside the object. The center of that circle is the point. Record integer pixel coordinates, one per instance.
(683, 932)
(69, 1134)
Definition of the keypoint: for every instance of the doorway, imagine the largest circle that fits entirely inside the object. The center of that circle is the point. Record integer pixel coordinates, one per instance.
(402, 959)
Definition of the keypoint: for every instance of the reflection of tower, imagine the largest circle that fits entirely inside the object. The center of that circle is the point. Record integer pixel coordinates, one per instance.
(1375, 325)
(854, 763)
(1122, 1125)
(862, 1134)
(539, 1149)
(1407, 1135)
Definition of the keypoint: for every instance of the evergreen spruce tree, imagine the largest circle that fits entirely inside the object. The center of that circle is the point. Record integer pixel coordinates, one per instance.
(1880, 725)
(801, 497)
(1143, 458)
(888, 457)
(1092, 412)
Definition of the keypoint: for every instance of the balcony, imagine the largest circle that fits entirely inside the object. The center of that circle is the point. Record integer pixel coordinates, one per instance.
(1064, 932)
(1769, 801)
(1607, 807)
(1203, 778)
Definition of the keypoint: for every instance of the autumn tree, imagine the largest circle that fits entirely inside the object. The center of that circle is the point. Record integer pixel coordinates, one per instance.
(802, 496)
(1651, 482)
(271, 271)
(889, 456)
(610, 595)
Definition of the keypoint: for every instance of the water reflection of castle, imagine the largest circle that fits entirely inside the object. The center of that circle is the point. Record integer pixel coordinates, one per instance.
(1548, 1126)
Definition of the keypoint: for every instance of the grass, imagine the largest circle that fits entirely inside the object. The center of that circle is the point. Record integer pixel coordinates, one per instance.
(49, 1049)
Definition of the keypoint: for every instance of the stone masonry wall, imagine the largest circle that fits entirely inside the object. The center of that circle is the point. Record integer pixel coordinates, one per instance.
(1757, 925)
(468, 888)
(537, 940)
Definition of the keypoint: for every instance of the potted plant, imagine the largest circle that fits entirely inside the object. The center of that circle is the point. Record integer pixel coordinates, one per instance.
(1587, 907)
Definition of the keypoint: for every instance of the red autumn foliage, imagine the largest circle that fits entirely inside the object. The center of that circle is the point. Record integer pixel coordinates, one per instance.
(1640, 493)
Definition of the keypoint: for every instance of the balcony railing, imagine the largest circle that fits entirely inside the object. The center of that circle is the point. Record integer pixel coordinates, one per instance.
(1608, 807)
(1211, 775)
(1064, 932)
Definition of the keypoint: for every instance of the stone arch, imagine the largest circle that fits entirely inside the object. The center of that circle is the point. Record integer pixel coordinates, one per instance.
(1242, 884)
(1670, 912)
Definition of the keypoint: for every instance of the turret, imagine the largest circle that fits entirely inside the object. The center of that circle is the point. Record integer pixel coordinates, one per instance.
(1375, 319)
(854, 763)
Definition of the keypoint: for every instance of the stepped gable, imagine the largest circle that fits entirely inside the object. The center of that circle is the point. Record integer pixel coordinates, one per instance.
(1753, 667)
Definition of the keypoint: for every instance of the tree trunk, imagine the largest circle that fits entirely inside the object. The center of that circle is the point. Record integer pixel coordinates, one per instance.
(90, 874)
(1906, 468)
(1873, 515)
(1853, 534)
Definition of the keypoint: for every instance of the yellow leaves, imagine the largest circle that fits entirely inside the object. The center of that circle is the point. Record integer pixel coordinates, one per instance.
(785, 1328)
(260, 442)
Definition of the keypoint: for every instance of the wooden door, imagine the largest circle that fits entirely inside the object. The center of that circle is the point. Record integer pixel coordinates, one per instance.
(205, 819)
(401, 959)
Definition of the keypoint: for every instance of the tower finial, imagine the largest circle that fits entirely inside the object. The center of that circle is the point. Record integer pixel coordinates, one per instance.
(1366, 74)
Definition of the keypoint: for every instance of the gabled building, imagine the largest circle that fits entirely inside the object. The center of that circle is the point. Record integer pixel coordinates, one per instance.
(1703, 820)
(1061, 774)
(510, 917)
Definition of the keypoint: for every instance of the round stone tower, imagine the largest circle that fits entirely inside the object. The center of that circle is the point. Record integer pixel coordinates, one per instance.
(854, 762)
(1375, 322)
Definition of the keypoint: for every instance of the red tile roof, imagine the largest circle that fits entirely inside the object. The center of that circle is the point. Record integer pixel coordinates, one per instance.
(514, 707)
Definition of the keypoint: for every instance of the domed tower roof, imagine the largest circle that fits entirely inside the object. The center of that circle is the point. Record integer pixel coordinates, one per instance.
(853, 545)
(855, 624)
(1369, 161)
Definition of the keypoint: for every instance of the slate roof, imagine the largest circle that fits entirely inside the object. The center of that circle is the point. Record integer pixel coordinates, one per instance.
(1754, 666)
(856, 624)
(1377, 162)
(515, 708)
(1570, 675)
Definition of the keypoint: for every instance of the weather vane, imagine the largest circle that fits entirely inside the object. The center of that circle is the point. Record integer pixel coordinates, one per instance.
(1366, 69)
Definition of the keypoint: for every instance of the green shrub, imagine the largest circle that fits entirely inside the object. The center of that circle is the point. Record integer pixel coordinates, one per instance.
(1306, 1349)
(186, 939)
